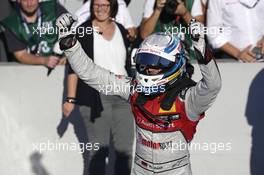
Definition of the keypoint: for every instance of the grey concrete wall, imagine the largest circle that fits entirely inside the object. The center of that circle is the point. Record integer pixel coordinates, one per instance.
(30, 110)
(230, 135)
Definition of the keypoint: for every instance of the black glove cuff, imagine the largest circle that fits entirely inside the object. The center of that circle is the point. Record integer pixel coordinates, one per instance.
(67, 42)
(208, 56)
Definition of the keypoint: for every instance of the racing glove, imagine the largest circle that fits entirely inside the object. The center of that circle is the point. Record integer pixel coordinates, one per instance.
(202, 51)
(66, 25)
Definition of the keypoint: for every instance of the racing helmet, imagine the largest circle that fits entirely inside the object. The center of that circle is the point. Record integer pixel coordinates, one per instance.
(163, 52)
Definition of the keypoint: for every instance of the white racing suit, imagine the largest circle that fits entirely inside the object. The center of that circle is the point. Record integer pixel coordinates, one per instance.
(156, 151)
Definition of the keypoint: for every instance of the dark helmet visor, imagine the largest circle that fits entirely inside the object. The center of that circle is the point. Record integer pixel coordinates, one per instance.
(152, 60)
(146, 60)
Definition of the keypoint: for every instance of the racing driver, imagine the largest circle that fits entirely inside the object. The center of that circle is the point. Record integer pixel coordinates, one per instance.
(167, 104)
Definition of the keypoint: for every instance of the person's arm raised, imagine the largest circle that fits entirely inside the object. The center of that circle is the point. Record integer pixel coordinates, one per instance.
(100, 79)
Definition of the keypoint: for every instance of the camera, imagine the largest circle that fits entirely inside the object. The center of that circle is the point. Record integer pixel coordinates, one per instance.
(257, 52)
(170, 6)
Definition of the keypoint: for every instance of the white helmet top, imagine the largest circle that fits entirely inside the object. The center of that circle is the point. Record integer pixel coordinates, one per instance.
(159, 51)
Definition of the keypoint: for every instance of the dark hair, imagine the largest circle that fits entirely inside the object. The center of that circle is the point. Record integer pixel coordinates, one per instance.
(113, 8)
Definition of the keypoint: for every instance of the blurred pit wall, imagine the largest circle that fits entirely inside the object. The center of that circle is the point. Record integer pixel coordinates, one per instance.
(30, 109)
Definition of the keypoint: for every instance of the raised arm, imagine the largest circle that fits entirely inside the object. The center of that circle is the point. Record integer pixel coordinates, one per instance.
(101, 79)
(151, 16)
(200, 97)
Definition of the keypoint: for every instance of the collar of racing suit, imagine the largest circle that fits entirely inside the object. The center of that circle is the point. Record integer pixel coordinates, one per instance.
(167, 98)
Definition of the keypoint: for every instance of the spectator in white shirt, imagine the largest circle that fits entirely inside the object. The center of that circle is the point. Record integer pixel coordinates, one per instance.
(199, 9)
(114, 119)
(241, 27)
(123, 16)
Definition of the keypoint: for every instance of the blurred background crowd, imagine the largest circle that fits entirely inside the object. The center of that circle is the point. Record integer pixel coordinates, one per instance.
(234, 28)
